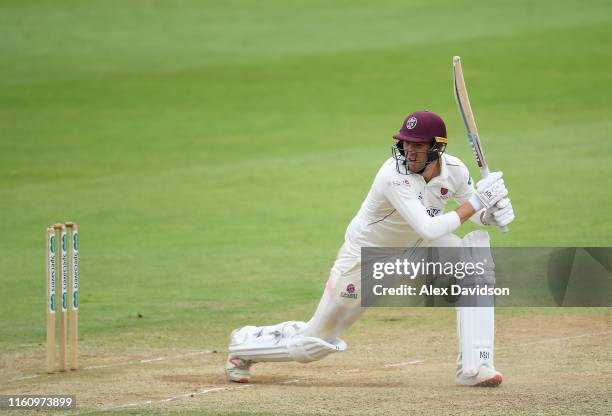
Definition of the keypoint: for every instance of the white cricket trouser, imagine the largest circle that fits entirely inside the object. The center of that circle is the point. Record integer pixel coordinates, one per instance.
(340, 305)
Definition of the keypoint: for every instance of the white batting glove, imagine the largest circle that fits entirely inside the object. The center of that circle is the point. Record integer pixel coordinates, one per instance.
(489, 191)
(499, 215)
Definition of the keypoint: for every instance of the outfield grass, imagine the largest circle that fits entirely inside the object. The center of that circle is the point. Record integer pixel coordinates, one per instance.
(213, 153)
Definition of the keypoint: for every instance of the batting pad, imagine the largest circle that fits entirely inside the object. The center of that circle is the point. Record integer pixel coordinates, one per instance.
(476, 323)
(262, 345)
(476, 331)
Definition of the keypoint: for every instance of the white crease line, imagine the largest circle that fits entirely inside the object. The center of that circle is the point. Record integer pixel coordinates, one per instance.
(178, 396)
(352, 370)
(148, 360)
(403, 363)
(25, 378)
(168, 399)
(143, 361)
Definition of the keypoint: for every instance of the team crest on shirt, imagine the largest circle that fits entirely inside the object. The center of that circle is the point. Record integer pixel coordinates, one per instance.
(350, 292)
(411, 123)
(444, 194)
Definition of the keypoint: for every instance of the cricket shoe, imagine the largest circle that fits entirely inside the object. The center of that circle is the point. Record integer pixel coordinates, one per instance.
(486, 377)
(237, 369)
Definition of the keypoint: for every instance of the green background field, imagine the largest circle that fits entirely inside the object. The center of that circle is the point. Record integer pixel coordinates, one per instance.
(213, 153)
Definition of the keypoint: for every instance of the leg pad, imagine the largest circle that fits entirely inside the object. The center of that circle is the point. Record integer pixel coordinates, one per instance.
(280, 342)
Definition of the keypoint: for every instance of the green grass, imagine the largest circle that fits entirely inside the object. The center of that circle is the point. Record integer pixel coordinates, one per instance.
(213, 153)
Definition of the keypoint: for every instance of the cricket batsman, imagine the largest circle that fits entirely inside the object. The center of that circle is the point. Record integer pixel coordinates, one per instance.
(404, 208)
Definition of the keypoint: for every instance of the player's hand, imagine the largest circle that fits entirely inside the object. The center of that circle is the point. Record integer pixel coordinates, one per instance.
(499, 215)
(489, 191)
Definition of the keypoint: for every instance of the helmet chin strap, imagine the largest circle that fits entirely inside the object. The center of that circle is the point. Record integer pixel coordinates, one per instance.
(424, 167)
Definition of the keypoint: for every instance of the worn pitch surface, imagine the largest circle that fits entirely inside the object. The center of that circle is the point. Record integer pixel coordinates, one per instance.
(399, 362)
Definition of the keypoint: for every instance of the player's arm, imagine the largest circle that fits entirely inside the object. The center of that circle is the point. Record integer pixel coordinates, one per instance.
(489, 191)
(466, 212)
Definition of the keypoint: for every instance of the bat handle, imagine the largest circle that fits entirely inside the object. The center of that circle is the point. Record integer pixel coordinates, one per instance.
(484, 172)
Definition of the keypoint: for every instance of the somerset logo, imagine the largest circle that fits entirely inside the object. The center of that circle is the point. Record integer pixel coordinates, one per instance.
(411, 123)
(350, 292)
(443, 191)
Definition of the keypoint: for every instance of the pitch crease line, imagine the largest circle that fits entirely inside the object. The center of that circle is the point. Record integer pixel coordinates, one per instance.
(403, 363)
(148, 360)
(126, 363)
(164, 400)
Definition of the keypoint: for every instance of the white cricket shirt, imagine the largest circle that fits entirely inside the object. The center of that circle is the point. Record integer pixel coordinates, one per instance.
(402, 210)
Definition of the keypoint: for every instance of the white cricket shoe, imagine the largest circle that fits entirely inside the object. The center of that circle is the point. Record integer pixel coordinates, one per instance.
(486, 377)
(237, 369)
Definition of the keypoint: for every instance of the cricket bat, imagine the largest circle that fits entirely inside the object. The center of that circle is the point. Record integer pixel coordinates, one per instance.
(465, 109)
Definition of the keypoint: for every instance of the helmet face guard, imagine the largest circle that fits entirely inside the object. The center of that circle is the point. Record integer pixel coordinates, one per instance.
(436, 149)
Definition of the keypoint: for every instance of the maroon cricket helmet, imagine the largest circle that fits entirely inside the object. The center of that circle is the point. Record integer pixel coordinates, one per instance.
(421, 127)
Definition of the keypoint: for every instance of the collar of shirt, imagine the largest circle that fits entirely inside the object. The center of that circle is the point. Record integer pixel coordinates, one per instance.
(443, 167)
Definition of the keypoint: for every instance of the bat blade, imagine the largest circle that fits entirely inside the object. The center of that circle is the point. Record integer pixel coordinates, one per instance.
(465, 109)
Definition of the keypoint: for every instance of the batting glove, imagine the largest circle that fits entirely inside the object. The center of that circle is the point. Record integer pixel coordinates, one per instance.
(489, 191)
(499, 215)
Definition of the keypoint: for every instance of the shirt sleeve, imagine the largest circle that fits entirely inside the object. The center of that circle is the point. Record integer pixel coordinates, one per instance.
(465, 187)
(407, 203)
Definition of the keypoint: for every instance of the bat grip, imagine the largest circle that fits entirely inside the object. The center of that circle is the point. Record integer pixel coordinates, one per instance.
(484, 172)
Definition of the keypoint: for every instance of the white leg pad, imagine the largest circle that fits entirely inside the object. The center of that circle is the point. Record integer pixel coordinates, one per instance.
(280, 343)
(476, 332)
(476, 324)
(306, 349)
